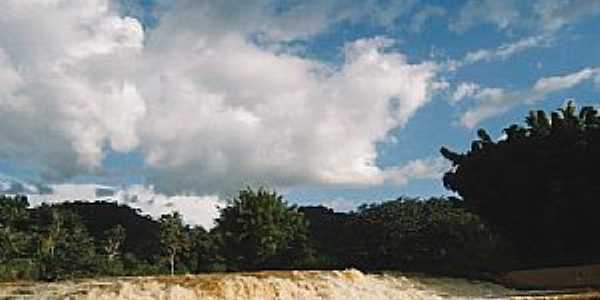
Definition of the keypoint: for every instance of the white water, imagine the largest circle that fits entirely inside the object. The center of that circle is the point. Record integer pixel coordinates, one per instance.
(334, 285)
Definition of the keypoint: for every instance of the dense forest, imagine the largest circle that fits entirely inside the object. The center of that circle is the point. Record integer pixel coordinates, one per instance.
(527, 200)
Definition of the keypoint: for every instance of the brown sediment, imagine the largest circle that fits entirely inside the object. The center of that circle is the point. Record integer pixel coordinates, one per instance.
(305, 285)
(559, 278)
(572, 296)
(279, 285)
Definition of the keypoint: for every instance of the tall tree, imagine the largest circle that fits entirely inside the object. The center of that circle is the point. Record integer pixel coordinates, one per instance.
(258, 229)
(173, 237)
(539, 185)
(113, 241)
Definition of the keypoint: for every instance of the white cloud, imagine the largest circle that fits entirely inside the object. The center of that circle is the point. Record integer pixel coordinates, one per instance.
(492, 102)
(428, 12)
(503, 52)
(237, 114)
(339, 204)
(547, 16)
(464, 90)
(556, 14)
(280, 22)
(597, 81)
(430, 168)
(207, 108)
(196, 210)
(501, 14)
(557, 83)
(507, 50)
(64, 96)
(12, 185)
(495, 101)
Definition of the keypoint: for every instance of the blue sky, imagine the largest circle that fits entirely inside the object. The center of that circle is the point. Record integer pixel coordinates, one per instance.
(334, 102)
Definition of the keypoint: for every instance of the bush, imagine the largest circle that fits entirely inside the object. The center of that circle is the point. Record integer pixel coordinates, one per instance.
(19, 269)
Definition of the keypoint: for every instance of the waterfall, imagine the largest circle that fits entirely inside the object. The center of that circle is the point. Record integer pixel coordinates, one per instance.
(305, 285)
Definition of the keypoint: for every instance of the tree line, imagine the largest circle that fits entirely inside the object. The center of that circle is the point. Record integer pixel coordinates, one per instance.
(258, 230)
(526, 200)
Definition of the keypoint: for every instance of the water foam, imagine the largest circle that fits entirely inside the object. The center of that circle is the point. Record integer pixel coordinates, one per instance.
(305, 285)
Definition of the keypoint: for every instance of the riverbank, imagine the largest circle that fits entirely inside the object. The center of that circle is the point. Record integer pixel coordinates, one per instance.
(558, 278)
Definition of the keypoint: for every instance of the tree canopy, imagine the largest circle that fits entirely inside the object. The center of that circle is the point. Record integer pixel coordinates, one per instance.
(173, 237)
(258, 229)
(410, 234)
(539, 185)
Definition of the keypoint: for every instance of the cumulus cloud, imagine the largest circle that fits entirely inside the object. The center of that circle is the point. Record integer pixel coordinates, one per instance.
(196, 210)
(227, 113)
(63, 94)
(495, 101)
(208, 108)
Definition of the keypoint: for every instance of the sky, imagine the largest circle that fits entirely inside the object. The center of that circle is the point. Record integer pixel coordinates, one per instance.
(176, 105)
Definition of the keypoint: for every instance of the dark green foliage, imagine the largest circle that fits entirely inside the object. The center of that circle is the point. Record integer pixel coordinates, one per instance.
(539, 186)
(259, 230)
(111, 250)
(434, 235)
(16, 243)
(174, 237)
(53, 242)
(65, 248)
(203, 254)
(329, 234)
(142, 233)
(14, 219)
(19, 269)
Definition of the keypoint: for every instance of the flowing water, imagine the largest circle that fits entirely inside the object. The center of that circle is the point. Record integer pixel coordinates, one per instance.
(305, 285)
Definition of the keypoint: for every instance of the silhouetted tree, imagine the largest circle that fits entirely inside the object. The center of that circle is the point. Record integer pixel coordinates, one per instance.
(539, 185)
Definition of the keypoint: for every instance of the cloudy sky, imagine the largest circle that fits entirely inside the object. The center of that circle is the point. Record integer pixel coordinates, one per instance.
(177, 104)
